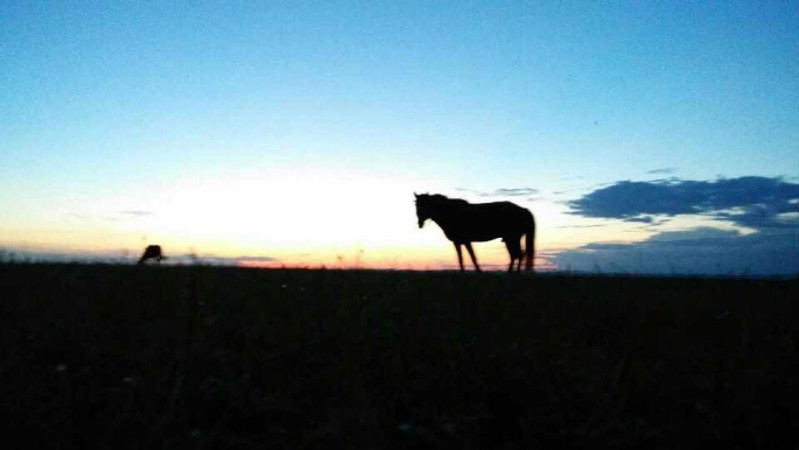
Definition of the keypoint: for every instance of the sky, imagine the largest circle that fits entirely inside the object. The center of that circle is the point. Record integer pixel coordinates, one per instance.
(645, 137)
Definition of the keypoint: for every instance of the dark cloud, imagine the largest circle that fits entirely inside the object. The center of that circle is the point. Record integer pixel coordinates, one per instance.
(706, 251)
(756, 202)
(642, 219)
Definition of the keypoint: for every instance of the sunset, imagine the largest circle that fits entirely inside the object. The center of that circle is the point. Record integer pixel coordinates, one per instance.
(295, 134)
(399, 225)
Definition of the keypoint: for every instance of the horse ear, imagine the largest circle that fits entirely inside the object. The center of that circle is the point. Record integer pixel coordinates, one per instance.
(416, 195)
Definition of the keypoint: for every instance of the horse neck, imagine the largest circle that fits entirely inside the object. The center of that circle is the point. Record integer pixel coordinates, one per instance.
(446, 214)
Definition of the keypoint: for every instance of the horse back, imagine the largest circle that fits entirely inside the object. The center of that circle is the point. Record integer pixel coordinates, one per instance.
(487, 221)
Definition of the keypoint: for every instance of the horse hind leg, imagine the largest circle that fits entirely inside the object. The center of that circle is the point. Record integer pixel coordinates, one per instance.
(515, 252)
(510, 253)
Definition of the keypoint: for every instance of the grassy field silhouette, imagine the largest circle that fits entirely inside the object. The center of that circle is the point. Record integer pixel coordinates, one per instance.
(209, 357)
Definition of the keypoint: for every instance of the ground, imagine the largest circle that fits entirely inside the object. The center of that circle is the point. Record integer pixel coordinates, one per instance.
(203, 357)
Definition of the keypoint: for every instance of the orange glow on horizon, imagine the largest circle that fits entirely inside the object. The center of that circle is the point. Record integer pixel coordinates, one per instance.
(490, 258)
(292, 219)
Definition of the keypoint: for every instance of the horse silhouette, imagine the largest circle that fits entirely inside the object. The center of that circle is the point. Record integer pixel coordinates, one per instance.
(152, 252)
(464, 223)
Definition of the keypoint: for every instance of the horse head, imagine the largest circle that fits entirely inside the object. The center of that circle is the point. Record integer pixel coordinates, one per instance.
(423, 208)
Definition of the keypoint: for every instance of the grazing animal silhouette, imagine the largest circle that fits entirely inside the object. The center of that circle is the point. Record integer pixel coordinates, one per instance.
(152, 252)
(464, 223)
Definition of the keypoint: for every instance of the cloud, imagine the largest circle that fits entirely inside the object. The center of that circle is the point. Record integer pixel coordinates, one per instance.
(502, 192)
(112, 216)
(256, 258)
(19, 254)
(218, 260)
(755, 202)
(579, 226)
(137, 213)
(514, 192)
(663, 171)
(510, 192)
(705, 250)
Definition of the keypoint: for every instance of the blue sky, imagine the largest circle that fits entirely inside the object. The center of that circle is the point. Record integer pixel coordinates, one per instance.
(239, 128)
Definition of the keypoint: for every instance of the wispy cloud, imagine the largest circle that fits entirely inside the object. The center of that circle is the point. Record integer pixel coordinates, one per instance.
(111, 216)
(579, 226)
(17, 253)
(755, 202)
(137, 213)
(255, 258)
(94, 217)
(663, 171)
(515, 192)
(510, 192)
(218, 260)
(501, 192)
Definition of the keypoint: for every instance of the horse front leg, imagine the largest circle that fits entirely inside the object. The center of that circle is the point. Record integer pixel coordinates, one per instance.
(474, 258)
(460, 255)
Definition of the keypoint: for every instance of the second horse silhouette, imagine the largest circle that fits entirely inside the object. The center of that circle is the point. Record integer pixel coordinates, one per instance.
(151, 252)
(464, 223)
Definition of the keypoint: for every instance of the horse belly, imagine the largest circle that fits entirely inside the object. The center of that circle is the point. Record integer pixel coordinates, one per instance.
(485, 237)
(488, 231)
(482, 233)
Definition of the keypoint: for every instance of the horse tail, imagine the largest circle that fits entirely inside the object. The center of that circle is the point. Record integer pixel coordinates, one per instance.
(529, 244)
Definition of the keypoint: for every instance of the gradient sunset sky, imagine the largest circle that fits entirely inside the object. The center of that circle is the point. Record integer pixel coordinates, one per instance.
(646, 137)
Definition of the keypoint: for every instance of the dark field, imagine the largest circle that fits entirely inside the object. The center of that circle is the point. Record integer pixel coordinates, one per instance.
(203, 357)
